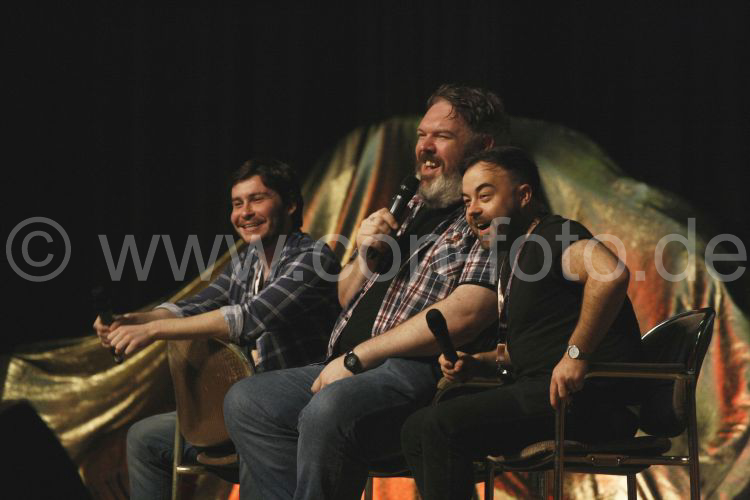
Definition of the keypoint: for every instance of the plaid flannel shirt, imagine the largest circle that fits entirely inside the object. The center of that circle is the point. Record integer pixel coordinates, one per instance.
(289, 320)
(451, 257)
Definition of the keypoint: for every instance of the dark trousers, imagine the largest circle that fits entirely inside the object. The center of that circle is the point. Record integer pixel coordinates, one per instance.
(440, 442)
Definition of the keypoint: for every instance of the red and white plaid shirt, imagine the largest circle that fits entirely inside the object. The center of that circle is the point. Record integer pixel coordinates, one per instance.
(452, 257)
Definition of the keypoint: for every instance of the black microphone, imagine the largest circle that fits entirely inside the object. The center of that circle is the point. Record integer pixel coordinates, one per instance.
(103, 308)
(406, 191)
(439, 328)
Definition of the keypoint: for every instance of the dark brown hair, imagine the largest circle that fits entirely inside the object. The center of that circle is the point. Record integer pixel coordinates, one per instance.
(275, 175)
(482, 110)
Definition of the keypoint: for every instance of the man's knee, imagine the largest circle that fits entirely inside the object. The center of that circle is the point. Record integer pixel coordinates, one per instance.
(250, 400)
(326, 415)
(151, 437)
(238, 400)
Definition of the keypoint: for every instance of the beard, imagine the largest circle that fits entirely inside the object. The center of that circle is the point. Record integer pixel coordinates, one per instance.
(443, 191)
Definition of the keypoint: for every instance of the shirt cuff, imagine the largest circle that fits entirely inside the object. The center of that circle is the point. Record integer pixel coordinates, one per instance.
(235, 321)
(174, 309)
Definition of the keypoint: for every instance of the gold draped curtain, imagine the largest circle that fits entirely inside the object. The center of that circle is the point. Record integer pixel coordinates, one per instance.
(89, 402)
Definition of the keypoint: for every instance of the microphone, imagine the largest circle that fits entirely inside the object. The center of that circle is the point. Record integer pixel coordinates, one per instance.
(406, 191)
(439, 328)
(103, 307)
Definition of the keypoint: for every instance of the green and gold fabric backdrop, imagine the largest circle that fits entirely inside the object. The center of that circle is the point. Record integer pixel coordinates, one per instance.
(89, 402)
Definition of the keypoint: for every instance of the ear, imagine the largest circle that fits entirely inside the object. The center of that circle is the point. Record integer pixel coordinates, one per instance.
(291, 208)
(524, 195)
(488, 143)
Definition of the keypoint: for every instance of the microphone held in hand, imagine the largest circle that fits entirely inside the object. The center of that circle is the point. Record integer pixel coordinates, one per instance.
(406, 191)
(103, 308)
(439, 328)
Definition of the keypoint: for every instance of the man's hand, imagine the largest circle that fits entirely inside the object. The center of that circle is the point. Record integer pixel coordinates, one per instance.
(335, 370)
(377, 223)
(369, 234)
(128, 338)
(502, 355)
(103, 331)
(567, 378)
(466, 367)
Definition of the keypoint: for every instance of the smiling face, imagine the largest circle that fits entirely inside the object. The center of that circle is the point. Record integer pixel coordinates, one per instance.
(258, 213)
(442, 139)
(489, 192)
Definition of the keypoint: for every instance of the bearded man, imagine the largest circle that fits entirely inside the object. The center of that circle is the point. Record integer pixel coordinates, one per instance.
(312, 432)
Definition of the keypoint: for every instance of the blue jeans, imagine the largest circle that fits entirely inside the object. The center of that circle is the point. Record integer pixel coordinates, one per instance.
(296, 444)
(150, 448)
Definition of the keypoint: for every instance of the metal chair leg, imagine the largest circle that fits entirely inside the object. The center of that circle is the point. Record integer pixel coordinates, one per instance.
(632, 487)
(546, 481)
(176, 460)
(489, 480)
(693, 450)
(368, 489)
(559, 449)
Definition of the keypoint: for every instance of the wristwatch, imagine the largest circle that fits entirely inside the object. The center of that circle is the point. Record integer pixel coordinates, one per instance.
(575, 353)
(352, 362)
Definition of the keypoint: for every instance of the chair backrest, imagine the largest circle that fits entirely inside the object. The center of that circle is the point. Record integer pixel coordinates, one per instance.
(202, 373)
(682, 339)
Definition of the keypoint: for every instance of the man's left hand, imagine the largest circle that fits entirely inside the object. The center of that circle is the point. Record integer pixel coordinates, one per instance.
(567, 378)
(335, 370)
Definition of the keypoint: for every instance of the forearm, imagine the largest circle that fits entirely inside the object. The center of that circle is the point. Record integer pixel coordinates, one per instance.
(149, 316)
(468, 311)
(601, 303)
(352, 278)
(370, 232)
(206, 325)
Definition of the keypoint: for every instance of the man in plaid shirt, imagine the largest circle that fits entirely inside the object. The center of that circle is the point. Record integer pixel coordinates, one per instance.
(312, 432)
(271, 298)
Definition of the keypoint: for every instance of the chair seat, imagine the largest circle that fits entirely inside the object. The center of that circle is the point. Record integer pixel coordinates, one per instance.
(637, 446)
(535, 456)
(540, 455)
(217, 460)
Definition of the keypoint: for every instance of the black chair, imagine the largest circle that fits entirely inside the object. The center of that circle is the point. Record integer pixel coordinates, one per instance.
(674, 353)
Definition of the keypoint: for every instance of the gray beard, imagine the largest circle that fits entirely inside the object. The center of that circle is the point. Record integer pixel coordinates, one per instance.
(442, 192)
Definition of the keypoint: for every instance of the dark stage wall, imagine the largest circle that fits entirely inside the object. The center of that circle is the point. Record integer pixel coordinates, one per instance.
(126, 121)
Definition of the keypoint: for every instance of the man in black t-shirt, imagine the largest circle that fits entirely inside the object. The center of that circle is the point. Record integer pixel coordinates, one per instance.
(562, 302)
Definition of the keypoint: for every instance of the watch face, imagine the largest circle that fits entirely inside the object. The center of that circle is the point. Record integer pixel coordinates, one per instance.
(349, 361)
(573, 352)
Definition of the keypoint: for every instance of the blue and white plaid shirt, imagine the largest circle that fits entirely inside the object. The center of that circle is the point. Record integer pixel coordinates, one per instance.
(452, 257)
(289, 319)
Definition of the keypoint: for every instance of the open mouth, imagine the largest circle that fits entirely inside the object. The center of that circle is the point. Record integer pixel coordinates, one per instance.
(482, 229)
(250, 226)
(482, 225)
(430, 165)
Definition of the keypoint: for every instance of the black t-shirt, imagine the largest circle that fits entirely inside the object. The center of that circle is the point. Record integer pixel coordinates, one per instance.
(359, 327)
(542, 313)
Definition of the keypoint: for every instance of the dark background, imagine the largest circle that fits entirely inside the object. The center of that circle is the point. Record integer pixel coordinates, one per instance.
(127, 120)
